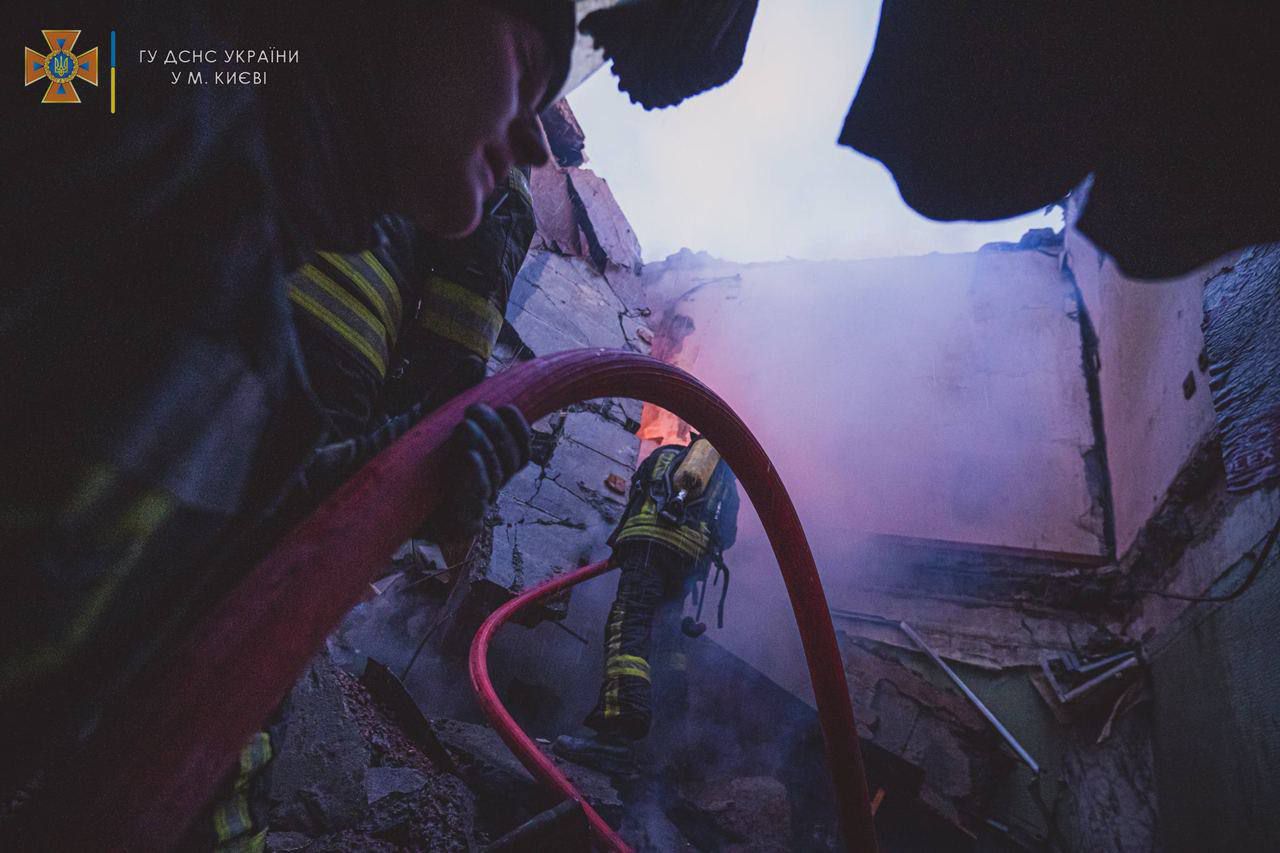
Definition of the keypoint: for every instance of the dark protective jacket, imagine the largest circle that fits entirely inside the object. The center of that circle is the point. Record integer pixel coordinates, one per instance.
(153, 393)
(463, 297)
(349, 311)
(710, 524)
(412, 307)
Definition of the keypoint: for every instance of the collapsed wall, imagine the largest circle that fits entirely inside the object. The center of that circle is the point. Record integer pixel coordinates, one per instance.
(1188, 378)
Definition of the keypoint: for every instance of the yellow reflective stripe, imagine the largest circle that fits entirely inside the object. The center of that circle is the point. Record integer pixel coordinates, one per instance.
(696, 536)
(619, 665)
(338, 325)
(628, 660)
(379, 301)
(516, 180)
(632, 665)
(385, 300)
(255, 756)
(221, 830)
(96, 484)
(145, 515)
(253, 844)
(390, 283)
(663, 462)
(613, 631)
(333, 290)
(231, 818)
(458, 315)
(643, 525)
(132, 529)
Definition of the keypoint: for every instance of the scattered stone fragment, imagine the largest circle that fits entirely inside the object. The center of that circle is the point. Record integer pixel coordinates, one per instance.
(381, 781)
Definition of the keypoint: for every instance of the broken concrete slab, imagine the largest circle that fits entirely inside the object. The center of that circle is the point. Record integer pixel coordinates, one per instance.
(390, 700)
(287, 842)
(605, 439)
(564, 134)
(555, 212)
(630, 410)
(557, 304)
(559, 515)
(437, 817)
(507, 794)
(382, 781)
(316, 779)
(608, 233)
(332, 730)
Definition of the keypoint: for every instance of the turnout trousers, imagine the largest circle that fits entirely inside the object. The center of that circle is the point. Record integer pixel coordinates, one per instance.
(643, 640)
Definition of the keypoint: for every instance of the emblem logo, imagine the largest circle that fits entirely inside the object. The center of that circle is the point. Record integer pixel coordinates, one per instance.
(60, 66)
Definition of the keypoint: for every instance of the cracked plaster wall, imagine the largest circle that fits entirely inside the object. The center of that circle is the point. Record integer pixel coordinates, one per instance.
(1155, 394)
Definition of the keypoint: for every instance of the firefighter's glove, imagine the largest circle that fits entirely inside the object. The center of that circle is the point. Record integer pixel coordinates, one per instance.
(484, 452)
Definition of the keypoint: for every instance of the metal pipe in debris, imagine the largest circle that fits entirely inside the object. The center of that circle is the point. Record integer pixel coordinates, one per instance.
(972, 697)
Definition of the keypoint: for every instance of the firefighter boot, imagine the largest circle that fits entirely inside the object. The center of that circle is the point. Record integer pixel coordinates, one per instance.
(610, 754)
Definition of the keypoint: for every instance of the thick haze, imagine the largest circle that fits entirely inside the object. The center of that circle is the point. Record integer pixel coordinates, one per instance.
(938, 398)
(751, 171)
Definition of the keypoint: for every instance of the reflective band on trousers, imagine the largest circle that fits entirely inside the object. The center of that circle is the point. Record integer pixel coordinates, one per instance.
(456, 314)
(633, 665)
(343, 317)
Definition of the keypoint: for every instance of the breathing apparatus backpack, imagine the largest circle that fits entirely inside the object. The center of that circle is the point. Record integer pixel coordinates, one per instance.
(682, 487)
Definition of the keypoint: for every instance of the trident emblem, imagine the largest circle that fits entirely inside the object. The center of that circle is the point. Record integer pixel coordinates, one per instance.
(60, 67)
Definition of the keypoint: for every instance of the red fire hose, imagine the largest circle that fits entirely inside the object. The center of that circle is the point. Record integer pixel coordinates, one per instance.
(158, 759)
(534, 759)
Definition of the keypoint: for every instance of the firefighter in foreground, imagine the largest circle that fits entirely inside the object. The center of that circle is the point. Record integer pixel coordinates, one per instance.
(387, 335)
(155, 415)
(681, 516)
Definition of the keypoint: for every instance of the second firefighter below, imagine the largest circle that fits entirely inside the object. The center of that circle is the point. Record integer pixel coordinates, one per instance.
(681, 516)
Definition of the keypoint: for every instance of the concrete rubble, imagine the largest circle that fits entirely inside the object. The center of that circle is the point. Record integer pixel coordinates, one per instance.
(346, 776)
